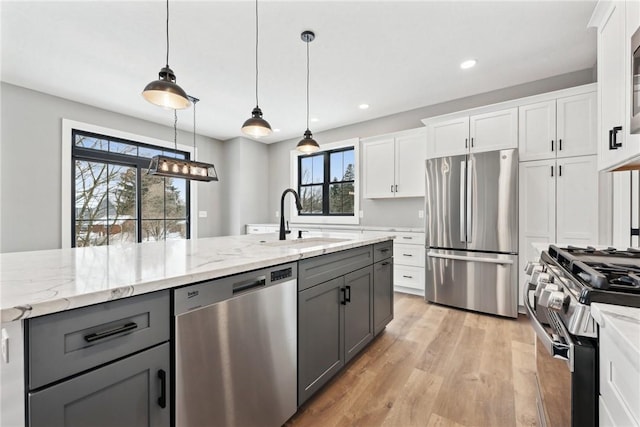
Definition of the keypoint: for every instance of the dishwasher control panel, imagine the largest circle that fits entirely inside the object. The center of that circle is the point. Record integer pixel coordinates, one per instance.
(284, 273)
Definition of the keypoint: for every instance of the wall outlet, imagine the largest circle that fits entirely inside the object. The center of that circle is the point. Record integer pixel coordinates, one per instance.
(277, 214)
(202, 214)
(420, 213)
(361, 214)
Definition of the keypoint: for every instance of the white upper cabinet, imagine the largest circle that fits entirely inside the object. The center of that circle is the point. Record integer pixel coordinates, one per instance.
(494, 130)
(615, 21)
(558, 128)
(497, 130)
(448, 138)
(393, 165)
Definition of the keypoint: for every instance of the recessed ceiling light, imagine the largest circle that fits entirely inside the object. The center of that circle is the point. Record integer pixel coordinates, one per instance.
(315, 119)
(468, 64)
(276, 130)
(363, 106)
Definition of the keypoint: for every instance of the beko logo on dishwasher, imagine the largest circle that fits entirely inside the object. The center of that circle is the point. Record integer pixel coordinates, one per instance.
(191, 294)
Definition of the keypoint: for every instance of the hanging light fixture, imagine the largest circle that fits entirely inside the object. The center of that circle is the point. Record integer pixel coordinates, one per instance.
(181, 168)
(164, 92)
(256, 126)
(307, 144)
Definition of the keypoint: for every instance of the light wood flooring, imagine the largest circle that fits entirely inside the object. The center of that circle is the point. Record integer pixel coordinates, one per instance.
(434, 366)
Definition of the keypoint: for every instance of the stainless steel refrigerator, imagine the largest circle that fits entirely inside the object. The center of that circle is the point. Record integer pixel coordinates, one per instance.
(471, 208)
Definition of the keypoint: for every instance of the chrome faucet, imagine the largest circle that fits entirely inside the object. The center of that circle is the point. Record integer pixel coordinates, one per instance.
(283, 232)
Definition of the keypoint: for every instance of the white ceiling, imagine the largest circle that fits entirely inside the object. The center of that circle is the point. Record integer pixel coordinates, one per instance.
(393, 55)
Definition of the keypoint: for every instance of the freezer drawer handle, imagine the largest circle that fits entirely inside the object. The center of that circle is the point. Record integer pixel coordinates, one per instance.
(407, 255)
(407, 277)
(130, 326)
(467, 258)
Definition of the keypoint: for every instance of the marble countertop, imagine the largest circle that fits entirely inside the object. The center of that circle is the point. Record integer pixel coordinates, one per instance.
(623, 322)
(43, 282)
(358, 228)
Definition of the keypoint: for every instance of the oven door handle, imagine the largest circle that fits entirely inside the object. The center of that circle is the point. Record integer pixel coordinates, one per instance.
(557, 349)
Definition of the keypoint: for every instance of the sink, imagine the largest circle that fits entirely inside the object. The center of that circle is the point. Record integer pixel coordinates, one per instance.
(305, 242)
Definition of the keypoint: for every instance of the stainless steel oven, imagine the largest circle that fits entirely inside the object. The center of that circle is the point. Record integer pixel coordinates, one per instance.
(635, 82)
(566, 373)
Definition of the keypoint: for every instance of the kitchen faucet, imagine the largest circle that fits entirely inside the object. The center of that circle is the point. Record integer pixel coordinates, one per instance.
(284, 232)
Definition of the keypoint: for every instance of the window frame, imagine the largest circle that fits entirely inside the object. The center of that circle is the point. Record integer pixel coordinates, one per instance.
(68, 168)
(326, 182)
(345, 219)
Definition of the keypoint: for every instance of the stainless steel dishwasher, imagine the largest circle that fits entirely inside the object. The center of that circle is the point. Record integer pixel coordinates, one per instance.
(236, 349)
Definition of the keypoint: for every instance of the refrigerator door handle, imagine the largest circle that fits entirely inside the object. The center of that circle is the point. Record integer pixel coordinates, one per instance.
(469, 258)
(469, 199)
(463, 174)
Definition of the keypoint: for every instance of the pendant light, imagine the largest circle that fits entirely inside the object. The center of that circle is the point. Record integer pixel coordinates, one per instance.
(164, 92)
(256, 126)
(181, 168)
(307, 144)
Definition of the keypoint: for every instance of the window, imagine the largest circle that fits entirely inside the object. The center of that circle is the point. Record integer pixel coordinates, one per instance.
(115, 200)
(326, 182)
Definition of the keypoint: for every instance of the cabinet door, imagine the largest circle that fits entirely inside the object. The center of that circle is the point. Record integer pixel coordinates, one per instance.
(611, 85)
(537, 208)
(124, 393)
(448, 138)
(382, 294)
(378, 165)
(410, 155)
(320, 336)
(577, 200)
(537, 131)
(576, 129)
(358, 311)
(497, 130)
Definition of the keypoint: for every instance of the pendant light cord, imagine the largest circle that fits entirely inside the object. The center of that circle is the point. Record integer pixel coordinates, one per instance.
(308, 41)
(167, 33)
(194, 128)
(175, 129)
(256, 53)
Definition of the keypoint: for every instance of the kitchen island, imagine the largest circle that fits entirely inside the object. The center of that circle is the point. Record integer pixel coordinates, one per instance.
(35, 284)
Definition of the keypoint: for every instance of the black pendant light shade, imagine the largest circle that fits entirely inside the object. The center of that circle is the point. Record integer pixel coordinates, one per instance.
(256, 126)
(164, 92)
(307, 144)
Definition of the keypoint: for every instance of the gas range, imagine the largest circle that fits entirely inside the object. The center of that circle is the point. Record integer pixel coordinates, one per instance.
(568, 279)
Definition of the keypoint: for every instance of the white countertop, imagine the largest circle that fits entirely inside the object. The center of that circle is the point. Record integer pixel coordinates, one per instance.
(624, 323)
(43, 282)
(358, 228)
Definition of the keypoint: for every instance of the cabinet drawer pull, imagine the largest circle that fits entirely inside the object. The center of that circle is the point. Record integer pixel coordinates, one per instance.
(396, 188)
(407, 255)
(343, 291)
(385, 263)
(384, 250)
(552, 145)
(348, 294)
(613, 138)
(466, 143)
(551, 170)
(559, 170)
(407, 277)
(162, 400)
(392, 188)
(559, 145)
(407, 238)
(110, 332)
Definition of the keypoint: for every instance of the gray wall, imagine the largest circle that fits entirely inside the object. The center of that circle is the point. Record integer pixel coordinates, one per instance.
(404, 212)
(246, 189)
(30, 168)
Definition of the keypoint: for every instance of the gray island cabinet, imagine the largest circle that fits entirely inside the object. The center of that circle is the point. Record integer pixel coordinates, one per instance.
(100, 349)
(341, 307)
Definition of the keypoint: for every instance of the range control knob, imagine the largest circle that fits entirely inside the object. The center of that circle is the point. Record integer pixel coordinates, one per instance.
(558, 301)
(531, 265)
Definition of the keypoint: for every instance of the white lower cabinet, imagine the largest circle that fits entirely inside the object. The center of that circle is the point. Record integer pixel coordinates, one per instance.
(558, 203)
(408, 263)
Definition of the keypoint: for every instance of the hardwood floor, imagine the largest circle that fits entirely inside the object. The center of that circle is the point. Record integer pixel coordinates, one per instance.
(433, 366)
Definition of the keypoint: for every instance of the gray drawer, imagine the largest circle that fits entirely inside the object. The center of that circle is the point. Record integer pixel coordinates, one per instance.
(313, 271)
(382, 250)
(73, 341)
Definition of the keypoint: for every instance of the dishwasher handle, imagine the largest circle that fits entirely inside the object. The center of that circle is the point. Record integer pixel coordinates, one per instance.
(246, 285)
